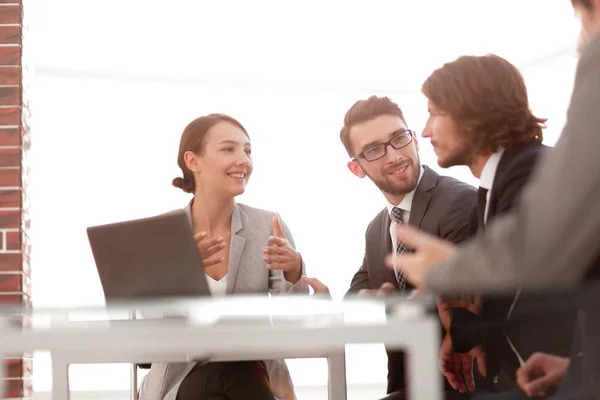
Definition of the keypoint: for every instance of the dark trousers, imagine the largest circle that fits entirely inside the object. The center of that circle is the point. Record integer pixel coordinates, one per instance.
(226, 381)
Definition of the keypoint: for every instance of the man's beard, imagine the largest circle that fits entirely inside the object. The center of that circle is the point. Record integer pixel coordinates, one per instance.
(462, 155)
(399, 188)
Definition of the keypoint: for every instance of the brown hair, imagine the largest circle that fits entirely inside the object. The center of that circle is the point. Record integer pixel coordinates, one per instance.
(365, 110)
(193, 139)
(586, 3)
(487, 97)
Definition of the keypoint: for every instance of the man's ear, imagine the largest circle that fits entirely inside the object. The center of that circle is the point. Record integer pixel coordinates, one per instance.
(356, 169)
(191, 161)
(416, 141)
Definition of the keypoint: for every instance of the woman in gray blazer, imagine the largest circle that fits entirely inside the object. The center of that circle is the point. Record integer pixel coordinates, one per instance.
(243, 249)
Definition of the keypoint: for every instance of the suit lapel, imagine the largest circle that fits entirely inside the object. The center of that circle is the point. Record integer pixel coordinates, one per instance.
(422, 197)
(237, 248)
(504, 161)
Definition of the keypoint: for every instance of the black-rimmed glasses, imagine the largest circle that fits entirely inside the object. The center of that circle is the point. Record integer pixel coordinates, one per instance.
(399, 140)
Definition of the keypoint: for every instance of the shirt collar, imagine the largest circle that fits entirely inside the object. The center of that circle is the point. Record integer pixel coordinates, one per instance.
(486, 179)
(406, 203)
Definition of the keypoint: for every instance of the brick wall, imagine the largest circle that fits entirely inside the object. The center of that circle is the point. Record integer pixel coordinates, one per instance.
(15, 286)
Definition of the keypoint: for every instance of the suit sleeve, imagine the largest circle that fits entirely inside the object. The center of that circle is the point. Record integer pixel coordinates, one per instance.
(277, 281)
(360, 280)
(510, 192)
(551, 238)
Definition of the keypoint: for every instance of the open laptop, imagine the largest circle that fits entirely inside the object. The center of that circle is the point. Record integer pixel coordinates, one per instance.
(148, 258)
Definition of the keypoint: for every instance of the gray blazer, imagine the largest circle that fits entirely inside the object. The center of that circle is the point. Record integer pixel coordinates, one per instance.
(552, 237)
(441, 206)
(250, 231)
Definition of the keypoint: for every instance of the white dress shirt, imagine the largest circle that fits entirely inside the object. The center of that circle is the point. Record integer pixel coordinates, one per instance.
(217, 288)
(486, 179)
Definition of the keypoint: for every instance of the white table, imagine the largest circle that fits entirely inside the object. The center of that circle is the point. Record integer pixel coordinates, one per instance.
(286, 327)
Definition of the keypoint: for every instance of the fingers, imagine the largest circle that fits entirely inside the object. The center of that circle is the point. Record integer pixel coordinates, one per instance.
(541, 373)
(274, 250)
(277, 230)
(203, 243)
(532, 364)
(208, 248)
(367, 292)
(405, 260)
(212, 261)
(447, 363)
(278, 241)
(387, 288)
(210, 251)
(543, 385)
(477, 305)
(457, 366)
(481, 364)
(273, 254)
(467, 372)
(412, 237)
(447, 370)
(317, 286)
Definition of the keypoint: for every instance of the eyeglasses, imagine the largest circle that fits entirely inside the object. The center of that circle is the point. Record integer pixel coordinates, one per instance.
(399, 140)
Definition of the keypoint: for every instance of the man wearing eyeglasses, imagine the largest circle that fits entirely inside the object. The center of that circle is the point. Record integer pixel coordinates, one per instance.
(385, 150)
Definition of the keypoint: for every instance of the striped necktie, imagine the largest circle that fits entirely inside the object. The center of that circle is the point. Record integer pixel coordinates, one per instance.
(400, 248)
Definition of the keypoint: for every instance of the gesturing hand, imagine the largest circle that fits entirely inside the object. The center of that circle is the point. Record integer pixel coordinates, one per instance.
(386, 289)
(318, 287)
(541, 374)
(281, 255)
(428, 250)
(208, 247)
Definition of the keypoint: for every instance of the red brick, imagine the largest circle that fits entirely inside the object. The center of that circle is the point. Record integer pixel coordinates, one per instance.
(10, 136)
(17, 388)
(10, 219)
(10, 262)
(10, 177)
(10, 14)
(10, 157)
(10, 116)
(10, 34)
(10, 96)
(18, 367)
(21, 300)
(10, 198)
(12, 283)
(13, 240)
(10, 75)
(10, 55)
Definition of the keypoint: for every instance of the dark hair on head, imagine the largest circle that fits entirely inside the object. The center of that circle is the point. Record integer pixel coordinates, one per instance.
(365, 110)
(487, 97)
(586, 3)
(193, 139)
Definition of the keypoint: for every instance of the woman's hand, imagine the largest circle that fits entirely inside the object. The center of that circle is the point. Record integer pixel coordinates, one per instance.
(208, 248)
(281, 255)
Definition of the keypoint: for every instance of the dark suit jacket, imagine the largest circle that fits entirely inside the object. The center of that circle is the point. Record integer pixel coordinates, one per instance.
(441, 206)
(540, 329)
(558, 253)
